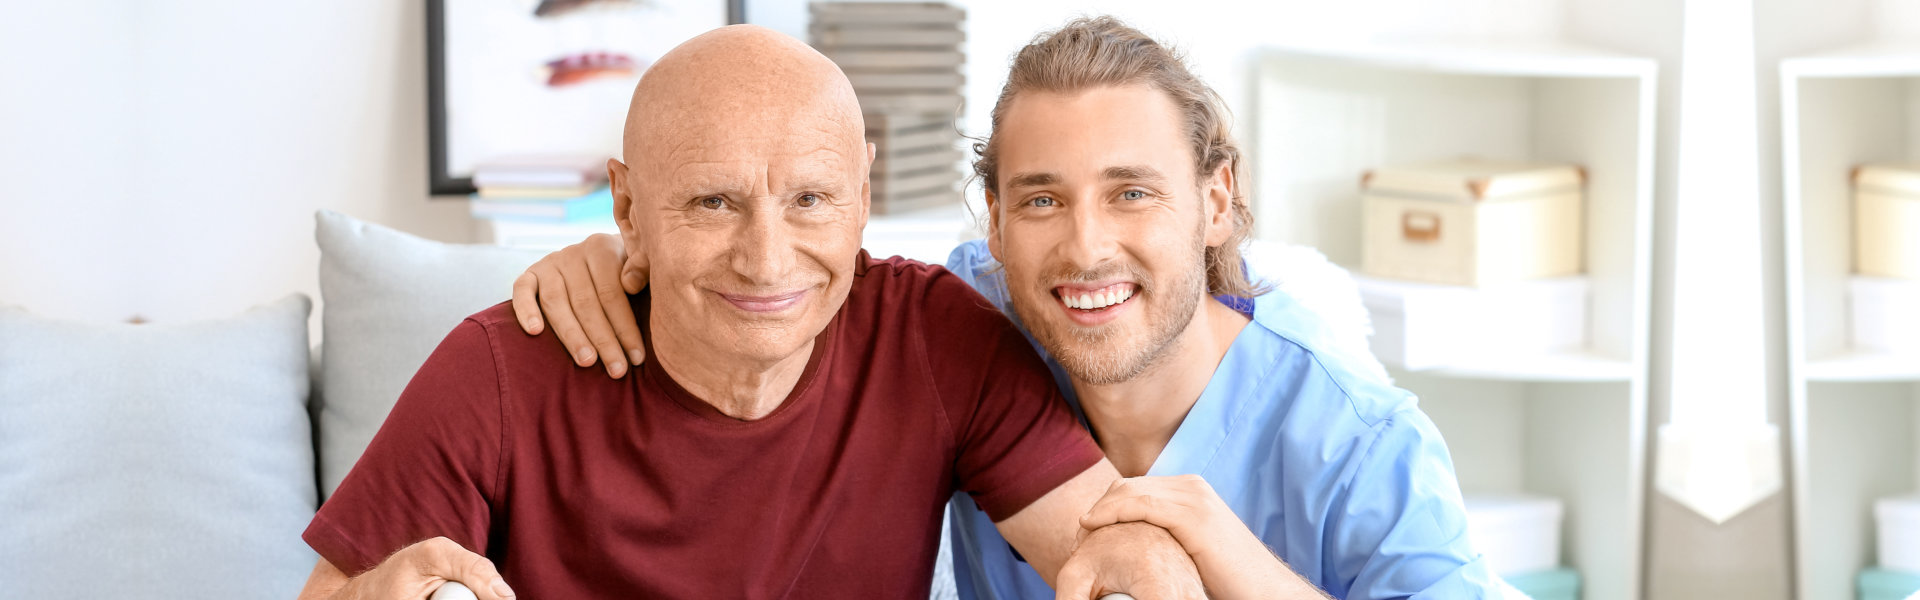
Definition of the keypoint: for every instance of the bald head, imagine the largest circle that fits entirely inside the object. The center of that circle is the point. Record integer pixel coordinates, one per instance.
(739, 77)
(744, 191)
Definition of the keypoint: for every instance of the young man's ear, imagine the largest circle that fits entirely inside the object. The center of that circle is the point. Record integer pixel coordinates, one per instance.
(1218, 202)
(993, 226)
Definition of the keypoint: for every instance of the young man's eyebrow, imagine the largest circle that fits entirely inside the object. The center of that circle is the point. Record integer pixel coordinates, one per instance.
(1021, 180)
(1134, 173)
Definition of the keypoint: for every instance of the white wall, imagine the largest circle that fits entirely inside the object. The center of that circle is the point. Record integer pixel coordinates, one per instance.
(164, 159)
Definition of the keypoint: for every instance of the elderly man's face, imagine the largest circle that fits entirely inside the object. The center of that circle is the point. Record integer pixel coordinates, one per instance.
(751, 221)
(1103, 226)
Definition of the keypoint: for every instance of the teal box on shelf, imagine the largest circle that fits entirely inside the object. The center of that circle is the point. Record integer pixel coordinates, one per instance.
(1881, 584)
(1554, 584)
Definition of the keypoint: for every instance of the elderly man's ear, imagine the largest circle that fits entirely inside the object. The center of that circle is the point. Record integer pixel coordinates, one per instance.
(866, 187)
(633, 273)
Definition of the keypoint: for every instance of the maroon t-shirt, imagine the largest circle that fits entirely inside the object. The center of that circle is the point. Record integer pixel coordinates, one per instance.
(582, 486)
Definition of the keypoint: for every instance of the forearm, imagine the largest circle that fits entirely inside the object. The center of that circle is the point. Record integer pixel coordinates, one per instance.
(1045, 532)
(326, 583)
(1252, 572)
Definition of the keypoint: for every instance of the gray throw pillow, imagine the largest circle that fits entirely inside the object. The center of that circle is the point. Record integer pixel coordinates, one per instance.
(388, 298)
(155, 461)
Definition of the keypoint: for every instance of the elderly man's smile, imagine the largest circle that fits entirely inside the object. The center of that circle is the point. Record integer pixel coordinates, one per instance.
(764, 303)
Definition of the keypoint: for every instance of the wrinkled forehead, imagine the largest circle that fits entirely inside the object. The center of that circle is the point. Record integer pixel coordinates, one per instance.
(737, 158)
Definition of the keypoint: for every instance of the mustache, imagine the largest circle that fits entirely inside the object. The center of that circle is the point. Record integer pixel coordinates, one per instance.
(1063, 273)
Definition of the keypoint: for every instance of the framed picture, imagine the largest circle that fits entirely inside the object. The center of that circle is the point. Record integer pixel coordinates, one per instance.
(530, 78)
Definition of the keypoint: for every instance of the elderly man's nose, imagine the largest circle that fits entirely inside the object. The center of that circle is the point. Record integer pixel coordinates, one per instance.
(764, 252)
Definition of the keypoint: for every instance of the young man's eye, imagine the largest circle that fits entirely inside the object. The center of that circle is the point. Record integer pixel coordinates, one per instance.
(1133, 195)
(713, 202)
(807, 200)
(1042, 202)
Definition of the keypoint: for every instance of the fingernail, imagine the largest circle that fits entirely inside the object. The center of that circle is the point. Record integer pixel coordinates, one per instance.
(500, 588)
(616, 369)
(635, 357)
(584, 355)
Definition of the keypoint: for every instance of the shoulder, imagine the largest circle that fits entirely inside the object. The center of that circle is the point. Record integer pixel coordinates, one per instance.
(912, 288)
(1332, 416)
(898, 272)
(1328, 373)
(492, 339)
(501, 330)
(1312, 300)
(974, 264)
(494, 318)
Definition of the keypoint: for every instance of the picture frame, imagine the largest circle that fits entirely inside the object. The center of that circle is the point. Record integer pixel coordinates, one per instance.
(512, 78)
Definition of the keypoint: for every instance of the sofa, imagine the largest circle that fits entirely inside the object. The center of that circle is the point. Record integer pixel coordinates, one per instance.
(184, 460)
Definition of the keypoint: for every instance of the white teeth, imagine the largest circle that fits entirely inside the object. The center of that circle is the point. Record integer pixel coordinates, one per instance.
(1097, 299)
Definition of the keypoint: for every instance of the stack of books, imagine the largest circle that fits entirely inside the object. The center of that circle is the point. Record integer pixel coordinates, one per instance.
(904, 61)
(545, 189)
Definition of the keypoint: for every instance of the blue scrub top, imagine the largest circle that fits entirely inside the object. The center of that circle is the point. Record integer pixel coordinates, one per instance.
(1336, 470)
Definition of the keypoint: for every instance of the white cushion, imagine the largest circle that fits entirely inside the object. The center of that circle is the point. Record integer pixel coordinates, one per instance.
(1324, 288)
(388, 298)
(155, 461)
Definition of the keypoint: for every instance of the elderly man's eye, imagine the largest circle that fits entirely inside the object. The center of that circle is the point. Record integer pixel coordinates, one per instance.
(713, 202)
(808, 200)
(1133, 195)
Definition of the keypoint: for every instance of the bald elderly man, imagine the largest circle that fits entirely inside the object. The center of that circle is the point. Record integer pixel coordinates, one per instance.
(791, 437)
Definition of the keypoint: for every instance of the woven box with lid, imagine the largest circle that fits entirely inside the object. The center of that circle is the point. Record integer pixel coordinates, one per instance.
(1472, 221)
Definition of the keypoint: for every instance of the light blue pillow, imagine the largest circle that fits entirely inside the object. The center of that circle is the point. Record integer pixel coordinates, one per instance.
(155, 461)
(389, 299)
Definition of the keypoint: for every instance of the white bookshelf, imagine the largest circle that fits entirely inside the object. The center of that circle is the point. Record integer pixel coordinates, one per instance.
(1854, 413)
(1569, 424)
(927, 235)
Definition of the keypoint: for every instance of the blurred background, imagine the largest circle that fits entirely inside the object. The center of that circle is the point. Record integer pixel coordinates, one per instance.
(1707, 390)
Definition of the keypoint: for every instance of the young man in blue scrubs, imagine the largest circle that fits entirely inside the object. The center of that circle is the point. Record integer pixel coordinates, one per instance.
(1283, 466)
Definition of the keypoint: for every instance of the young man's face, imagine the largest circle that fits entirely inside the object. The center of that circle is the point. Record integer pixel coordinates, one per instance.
(1102, 226)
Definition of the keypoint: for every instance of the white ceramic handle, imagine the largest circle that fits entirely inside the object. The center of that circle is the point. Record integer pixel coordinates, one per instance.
(1116, 596)
(453, 590)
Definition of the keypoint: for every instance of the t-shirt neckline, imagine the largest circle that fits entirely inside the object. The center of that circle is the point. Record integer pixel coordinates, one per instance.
(657, 375)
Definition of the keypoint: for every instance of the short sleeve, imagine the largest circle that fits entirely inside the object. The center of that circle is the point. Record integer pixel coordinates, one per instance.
(1016, 438)
(1404, 521)
(431, 468)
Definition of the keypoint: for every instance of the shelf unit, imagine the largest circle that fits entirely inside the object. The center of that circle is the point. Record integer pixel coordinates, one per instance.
(1570, 425)
(1854, 414)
